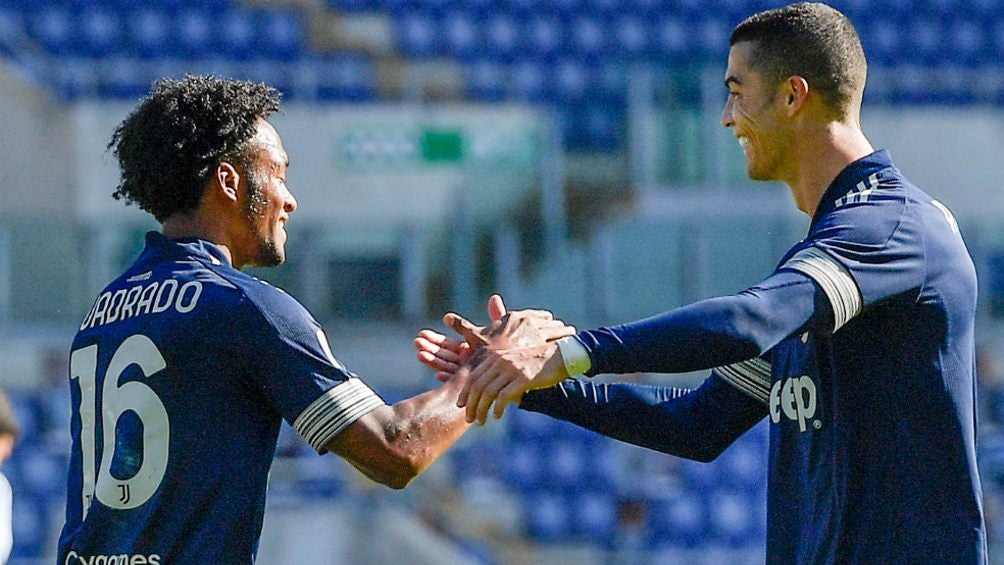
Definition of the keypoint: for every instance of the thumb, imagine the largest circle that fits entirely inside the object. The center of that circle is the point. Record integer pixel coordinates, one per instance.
(464, 327)
(496, 308)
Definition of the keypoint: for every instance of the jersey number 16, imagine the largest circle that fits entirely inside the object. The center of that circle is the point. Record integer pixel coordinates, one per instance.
(116, 399)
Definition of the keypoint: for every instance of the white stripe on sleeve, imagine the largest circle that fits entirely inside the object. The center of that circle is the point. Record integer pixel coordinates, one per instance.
(835, 280)
(334, 411)
(751, 376)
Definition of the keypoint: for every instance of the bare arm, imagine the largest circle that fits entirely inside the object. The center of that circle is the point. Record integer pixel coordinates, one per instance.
(393, 444)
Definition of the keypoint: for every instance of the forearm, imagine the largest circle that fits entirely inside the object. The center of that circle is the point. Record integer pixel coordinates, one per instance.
(710, 333)
(695, 424)
(423, 427)
(394, 443)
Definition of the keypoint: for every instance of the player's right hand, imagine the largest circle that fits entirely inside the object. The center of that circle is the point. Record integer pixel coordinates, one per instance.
(446, 355)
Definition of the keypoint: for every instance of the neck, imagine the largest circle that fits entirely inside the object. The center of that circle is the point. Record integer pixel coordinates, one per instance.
(182, 225)
(819, 157)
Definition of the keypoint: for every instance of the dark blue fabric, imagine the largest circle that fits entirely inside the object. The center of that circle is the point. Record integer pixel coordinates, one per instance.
(238, 356)
(872, 451)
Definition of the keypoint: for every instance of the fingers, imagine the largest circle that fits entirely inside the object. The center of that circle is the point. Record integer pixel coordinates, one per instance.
(532, 313)
(487, 395)
(557, 331)
(496, 308)
(470, 332)
(470, 396)
(439, 352)
(513, 392)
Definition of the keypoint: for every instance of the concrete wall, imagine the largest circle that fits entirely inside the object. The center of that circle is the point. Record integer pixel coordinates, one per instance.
(36, 162)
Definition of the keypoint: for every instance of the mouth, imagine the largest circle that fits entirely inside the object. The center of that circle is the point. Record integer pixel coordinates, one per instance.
(744, 141)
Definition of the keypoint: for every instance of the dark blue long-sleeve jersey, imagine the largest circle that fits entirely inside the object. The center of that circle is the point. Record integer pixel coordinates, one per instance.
(859, 348)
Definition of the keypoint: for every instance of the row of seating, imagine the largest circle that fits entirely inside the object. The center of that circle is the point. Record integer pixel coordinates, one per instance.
(724, 8)
(185, 32)
(188, 32)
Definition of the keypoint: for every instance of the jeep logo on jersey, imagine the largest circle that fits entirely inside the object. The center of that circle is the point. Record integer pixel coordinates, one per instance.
(795, 397)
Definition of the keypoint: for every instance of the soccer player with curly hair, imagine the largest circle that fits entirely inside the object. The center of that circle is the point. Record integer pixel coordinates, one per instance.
(185, 367)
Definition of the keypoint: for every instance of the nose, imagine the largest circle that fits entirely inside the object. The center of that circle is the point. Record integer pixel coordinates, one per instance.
(727, 120)
(290, 202)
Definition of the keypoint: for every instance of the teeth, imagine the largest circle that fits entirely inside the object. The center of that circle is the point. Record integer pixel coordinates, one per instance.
(744, 141)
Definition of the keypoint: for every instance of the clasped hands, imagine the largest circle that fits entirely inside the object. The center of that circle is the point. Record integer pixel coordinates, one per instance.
(499, 362)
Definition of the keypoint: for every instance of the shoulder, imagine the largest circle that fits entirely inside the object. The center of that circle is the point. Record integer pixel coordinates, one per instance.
(274, 305)
(870, 211)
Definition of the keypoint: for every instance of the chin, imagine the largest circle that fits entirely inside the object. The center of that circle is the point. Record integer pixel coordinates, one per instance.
(270, 254)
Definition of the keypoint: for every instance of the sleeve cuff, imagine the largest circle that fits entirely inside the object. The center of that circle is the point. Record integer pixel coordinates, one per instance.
(575, 356)
(334, 411)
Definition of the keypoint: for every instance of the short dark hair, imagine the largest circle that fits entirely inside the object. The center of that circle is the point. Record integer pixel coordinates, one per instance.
(810, 40)
(169, 146)
(8, 421)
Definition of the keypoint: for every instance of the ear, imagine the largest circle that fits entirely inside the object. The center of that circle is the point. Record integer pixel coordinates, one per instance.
(796, 92)
(228, 178)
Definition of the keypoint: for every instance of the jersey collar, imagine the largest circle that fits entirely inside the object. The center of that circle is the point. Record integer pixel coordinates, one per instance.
(848, 179)
(188, 246)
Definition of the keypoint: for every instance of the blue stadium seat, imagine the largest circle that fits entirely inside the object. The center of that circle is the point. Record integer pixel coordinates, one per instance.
(238, 36)
(548, 516)
(630, 37)
(588, 37)
(102, 31)
(462, 35)
(969, 42)
(502, 36)
(30, 525)
(881, 41)
(524, 425)
(194, 32)
(572, 81)
(525, 465)
(416, 34)
(732, 518)
(566, 463)
(744, 466)
(345, 77)
(597, 126)
(678, 520)
(594, 514)
(11, 24)
(671, 38)
(486, 80)
(42, 472)
(354, 6)
(924, 38)
(544, 35)
(150, 32)
(281, 34)
(55, 28)
(529, 81)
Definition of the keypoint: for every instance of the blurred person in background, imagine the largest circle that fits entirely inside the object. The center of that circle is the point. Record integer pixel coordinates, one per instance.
(184, 368)
(859, 347)
(9, 432)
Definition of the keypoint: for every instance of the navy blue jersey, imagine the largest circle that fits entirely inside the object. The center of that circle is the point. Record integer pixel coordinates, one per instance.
(180, 377)
(865, 365)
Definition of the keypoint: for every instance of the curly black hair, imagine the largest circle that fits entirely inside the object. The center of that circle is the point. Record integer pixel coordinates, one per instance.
(169, 146)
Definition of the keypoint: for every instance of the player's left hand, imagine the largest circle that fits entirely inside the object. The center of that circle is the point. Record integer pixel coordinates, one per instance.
(502, 376)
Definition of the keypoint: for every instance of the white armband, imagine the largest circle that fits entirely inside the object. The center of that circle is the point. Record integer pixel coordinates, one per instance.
(574, 356)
